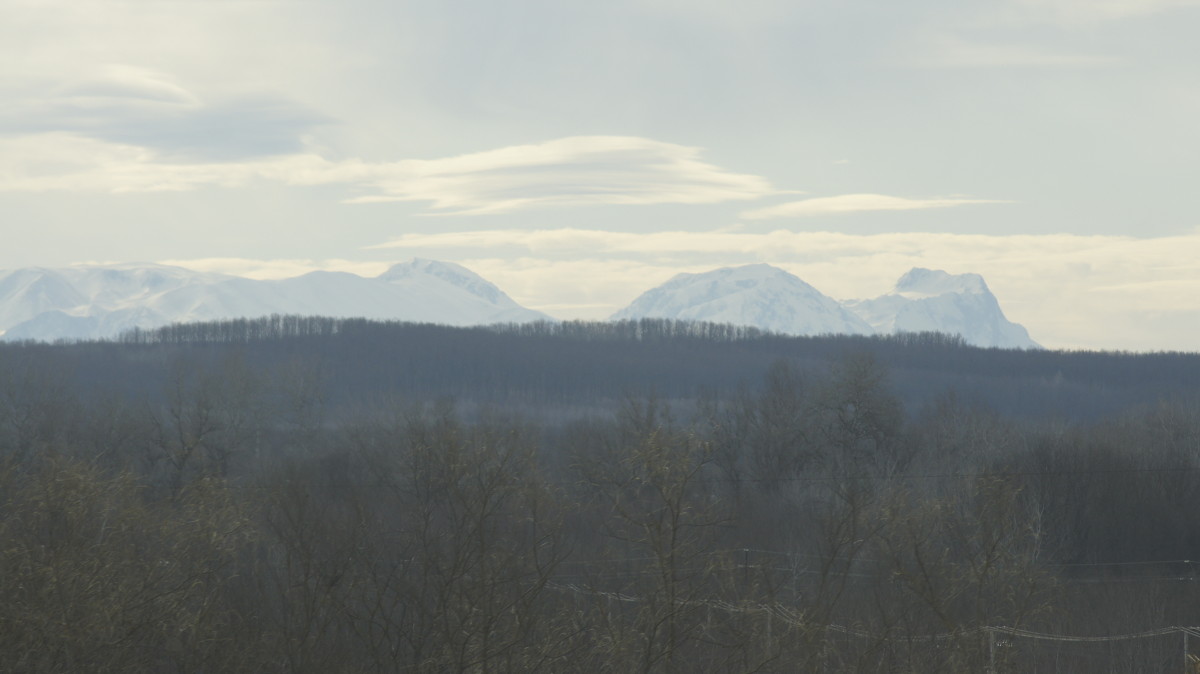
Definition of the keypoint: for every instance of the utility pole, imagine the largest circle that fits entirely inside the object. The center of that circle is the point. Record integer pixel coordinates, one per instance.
(991, 637)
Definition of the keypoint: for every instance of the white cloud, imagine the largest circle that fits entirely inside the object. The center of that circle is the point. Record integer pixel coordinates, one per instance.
(65, 162)
(276, 268)
(1090, 10)
(954, 52)
(141, 107)
(123, 84)
(854, 203)
(574, 289)
(584, 242)
(574, 171)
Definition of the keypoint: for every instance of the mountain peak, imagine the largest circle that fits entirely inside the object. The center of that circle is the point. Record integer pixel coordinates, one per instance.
(919, 282)
(103, 300)
(454, 274)
(758, 294)
(420, 265)
(931, 300)
(739, 278)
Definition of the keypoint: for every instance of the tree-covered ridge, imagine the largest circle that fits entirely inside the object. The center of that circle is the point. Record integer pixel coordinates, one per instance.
(555, 368)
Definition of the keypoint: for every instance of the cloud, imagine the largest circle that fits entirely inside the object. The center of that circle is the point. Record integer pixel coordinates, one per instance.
(65, 162)
(119, 84)
(127, 105)
(574, 171)
(954, 52)
(1070, 291)
(1091, 10)
(588, 242)
(855, 203)
(276, 268)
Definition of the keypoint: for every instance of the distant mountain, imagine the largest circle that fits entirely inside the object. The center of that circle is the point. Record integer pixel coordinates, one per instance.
(102, 301)
(770, 298)
(933, 300)
(759, 295)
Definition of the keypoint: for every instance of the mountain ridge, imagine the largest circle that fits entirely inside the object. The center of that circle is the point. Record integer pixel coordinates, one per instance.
(922, 300)
(759, 295)
(932, 300)
(101, 301)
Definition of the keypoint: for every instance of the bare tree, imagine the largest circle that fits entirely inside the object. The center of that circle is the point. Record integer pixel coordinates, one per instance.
(95, 578)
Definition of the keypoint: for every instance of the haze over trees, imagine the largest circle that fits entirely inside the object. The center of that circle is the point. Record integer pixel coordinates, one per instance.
(317, 495)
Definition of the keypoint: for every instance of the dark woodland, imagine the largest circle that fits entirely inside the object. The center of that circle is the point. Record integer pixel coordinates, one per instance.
(295, 494)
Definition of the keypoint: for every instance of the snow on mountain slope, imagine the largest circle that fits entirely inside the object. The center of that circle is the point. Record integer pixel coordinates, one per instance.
(763, 296)
(418, 277)
(77, 296)
(29, 292)
(759, 295)
(56, 324)
(933, 300)
(415, 270)
(102, 301)
(918, 283)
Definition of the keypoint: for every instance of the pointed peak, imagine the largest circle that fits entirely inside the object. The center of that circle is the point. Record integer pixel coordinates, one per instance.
(921, 282)
(417, 266)
(449, 272)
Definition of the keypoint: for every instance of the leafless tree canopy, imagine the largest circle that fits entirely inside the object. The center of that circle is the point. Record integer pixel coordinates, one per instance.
(278, 497)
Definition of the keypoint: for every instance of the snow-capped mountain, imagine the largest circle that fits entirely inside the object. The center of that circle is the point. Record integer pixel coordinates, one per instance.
(933, 300)
(770, 298)
(759, 295)
(102, 301)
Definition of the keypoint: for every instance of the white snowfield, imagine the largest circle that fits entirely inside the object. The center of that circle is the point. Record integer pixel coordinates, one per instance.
(926, 300)
(759, 295)
(101, 301)
(767, 297)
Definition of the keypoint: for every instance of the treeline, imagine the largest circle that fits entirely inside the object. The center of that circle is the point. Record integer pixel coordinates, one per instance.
(234, 518)
(556, 371)
(243, 330)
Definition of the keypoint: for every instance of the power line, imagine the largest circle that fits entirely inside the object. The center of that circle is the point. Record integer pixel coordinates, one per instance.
(796, 619)
(959, 476)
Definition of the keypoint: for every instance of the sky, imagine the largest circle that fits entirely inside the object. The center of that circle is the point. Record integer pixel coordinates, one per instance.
(578, 153)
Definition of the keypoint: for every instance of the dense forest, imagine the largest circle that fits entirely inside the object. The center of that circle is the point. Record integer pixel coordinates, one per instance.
(318, 495)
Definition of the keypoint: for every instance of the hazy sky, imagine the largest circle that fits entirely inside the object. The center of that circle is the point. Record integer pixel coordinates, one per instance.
(578, 153)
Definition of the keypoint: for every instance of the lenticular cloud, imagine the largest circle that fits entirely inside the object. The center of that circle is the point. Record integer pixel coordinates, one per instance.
(575, 171)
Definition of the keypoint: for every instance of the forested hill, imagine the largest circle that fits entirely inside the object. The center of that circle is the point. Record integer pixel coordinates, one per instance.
(296, 494)
(589, 365)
